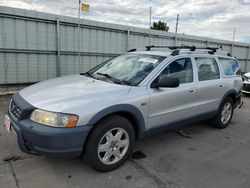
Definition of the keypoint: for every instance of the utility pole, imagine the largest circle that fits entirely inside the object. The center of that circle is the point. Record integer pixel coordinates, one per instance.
(150, 15)
(234, 34)
(232, 48)
(150, 18)
(176, 29)
(79, 14)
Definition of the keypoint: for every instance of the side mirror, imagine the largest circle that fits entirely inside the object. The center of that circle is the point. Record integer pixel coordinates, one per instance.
(166, 81)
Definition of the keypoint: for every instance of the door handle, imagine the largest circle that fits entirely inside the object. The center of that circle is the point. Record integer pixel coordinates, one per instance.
(220, 85)
(191, 91)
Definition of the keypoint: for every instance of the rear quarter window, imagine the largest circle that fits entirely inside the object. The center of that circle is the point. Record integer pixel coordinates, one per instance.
(230, 66)
(207, 68)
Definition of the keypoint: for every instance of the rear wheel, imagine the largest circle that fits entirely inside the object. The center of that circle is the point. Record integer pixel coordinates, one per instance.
(110, 143)
(224, 115)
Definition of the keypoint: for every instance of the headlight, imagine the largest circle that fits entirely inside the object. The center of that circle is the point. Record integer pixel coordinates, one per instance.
(245, 78)
(54, 119)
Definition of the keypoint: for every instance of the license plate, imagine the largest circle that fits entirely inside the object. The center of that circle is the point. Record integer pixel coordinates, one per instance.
(7, 125)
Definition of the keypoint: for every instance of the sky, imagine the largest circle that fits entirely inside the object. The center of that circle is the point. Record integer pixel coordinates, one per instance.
(207, 18)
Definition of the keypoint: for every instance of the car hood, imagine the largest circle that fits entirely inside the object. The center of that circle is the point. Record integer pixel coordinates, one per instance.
(63, 93)
(247, 74)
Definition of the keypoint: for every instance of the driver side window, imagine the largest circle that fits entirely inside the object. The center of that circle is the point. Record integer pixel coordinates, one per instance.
(180, 68)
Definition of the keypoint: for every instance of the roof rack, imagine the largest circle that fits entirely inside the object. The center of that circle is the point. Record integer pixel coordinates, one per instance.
(191, 48)
(132, 50)
(210, 50)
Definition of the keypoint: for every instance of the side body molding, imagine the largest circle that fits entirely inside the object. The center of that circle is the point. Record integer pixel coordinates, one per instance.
(119, 108)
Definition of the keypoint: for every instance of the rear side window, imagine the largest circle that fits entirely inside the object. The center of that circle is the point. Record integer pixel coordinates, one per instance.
(230, 66)
(181, 68)
(207, 69)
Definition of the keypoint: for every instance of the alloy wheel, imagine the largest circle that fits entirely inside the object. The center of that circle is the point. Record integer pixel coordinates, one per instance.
(113, 146)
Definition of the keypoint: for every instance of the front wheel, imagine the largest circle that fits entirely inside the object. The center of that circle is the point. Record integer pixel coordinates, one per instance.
(110, 143)
(224, 115)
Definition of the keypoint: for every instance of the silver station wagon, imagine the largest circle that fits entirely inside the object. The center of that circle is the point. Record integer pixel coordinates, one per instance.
(99, 114)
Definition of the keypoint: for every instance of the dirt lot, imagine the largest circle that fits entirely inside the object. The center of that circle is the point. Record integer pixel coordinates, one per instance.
(211, 158)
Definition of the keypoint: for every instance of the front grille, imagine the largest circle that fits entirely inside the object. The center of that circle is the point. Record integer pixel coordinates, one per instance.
(15, 110)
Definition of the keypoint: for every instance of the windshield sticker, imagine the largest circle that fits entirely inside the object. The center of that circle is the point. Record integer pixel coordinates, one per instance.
(149, 60)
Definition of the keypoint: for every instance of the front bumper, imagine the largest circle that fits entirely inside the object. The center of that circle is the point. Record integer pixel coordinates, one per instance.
(57, 142)
(246, 88)
(34, 138)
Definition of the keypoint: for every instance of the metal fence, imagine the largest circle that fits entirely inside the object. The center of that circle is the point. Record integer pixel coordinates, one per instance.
(36, 46)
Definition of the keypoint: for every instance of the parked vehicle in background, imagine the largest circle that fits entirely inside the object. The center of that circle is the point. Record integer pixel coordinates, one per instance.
(100, 113)
(246, 83)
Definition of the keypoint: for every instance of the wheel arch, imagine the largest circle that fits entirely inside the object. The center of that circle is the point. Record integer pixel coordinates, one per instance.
(130, 112)
(232, 94)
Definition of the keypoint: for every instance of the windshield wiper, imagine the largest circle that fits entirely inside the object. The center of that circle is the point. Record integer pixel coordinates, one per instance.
(88, 74)
(112, 78)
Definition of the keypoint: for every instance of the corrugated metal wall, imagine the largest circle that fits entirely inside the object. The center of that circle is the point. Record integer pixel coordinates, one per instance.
(37, 46)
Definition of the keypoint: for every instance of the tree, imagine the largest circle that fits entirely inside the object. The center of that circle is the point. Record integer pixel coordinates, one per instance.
(160, 25)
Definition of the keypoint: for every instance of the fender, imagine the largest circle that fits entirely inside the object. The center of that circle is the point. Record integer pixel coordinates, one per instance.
(134, 111)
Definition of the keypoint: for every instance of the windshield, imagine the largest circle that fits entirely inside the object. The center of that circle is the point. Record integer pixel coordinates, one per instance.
(129, 69)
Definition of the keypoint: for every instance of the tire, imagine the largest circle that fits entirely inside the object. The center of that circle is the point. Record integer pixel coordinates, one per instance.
(224, 115)
(110, 143)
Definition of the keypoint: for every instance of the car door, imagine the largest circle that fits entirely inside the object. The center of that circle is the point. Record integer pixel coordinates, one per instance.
(210, 86)
(169, 105)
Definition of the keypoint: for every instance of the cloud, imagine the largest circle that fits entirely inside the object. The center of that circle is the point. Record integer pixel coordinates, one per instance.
(208, 18)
